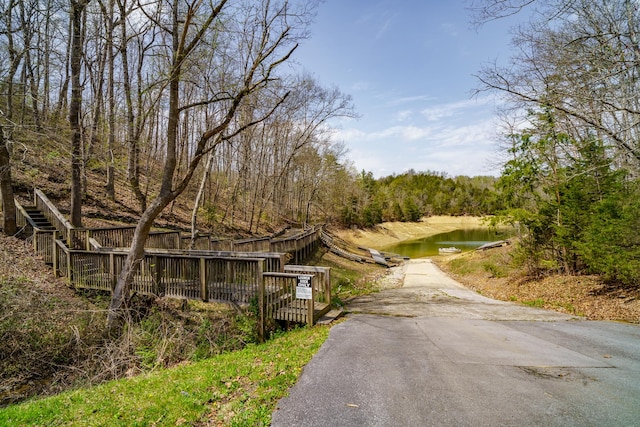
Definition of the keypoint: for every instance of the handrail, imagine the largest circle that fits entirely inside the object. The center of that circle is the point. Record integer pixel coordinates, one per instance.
(25, 216)
(204, 275)
(278, 300)
(193, 274)
(94, 245)
(53, 215)
(322, 284)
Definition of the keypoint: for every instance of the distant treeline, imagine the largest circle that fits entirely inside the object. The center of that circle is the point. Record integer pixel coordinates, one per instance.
(412, 195)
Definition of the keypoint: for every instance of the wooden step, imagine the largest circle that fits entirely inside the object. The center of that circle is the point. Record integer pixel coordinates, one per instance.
(330, 316)
(38, 218)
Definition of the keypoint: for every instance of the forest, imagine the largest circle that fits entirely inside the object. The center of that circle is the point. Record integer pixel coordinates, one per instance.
(149, 103)
(117, 97)
(572, 116)
(192, 114)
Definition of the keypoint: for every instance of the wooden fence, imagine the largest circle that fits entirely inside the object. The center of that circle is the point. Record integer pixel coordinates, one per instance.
(206, 277)
(122, 237)
(23, 221)
(321, 281)
(300, 246)
(42, 240)
(231, 271)
(54, 216)
(279, 295)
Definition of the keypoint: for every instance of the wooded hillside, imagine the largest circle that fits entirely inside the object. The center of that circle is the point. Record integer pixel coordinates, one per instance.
(107, 105)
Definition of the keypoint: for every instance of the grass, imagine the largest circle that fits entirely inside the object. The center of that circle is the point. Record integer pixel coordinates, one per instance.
(236, 389)
(348, 279)
(538, 303)
(461, 265)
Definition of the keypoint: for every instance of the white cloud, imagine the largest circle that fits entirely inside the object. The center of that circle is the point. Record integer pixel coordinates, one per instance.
(382, 29)
(460, 142)
(450, 29)
(403, 116)
(394, 102)
(452, 108)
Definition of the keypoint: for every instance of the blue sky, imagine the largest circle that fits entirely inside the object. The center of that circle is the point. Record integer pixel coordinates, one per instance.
(409, 65)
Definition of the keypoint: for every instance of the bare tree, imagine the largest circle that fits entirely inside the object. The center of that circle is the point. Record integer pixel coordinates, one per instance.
(262, 40)
(6, 187)
(13, 58)
(582, 59)
(77, 9)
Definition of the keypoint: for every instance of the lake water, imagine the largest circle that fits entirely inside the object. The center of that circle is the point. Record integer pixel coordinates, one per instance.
(466, 240)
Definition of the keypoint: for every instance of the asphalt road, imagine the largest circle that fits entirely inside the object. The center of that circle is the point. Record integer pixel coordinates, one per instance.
(434, 353)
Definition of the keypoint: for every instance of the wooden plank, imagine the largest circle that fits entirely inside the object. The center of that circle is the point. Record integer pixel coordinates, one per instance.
(329, 316)
(378, 258)
(493, 245)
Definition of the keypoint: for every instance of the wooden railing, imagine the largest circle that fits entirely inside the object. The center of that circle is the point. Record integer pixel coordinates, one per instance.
(112, 237)
(220, 244)
(54, 216)
(280, 300)
(122, 237)
(42, 240)
(237, 272)
(321, 280)
(23, 220)
(299, 246)
(273, 261)
(204, 277)
(278, 294)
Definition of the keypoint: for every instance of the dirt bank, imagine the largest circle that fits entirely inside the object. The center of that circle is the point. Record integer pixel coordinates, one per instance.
(390, 233)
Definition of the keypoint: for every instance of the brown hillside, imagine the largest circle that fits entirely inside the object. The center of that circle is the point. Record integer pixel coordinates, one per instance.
(47, 169)
(491, 274)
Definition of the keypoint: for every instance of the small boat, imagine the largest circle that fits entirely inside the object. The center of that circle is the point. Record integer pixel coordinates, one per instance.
(451, 250)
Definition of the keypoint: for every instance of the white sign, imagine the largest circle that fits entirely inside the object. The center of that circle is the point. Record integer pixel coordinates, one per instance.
(303, 287)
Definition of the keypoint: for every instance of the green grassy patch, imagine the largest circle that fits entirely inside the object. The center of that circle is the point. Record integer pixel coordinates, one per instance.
(494, 269)
(348, 278)
(239, 388)
(463, 266)
(538, 303)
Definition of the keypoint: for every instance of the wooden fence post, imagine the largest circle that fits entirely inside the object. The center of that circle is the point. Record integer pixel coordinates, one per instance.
(69, 269)
(310, 313)
(112, 271)
(157, 276)
(262, 302)
(327, 285)
(203, 280)
(54, 255)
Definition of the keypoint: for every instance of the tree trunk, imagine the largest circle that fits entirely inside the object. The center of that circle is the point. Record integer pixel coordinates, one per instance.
(77, 8)
(6, 189)
(196, 204)
(184, 42)
(120, 298)
(111, 138)
(133, 165)
(27, 39)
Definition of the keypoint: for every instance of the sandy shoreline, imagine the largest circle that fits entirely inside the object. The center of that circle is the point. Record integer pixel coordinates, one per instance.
(390, 233)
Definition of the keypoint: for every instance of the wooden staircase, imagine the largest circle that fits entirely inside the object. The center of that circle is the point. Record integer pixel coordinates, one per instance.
(38, 220)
